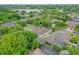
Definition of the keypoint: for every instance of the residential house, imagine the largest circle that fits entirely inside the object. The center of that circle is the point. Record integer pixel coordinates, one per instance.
(37, 51)
(8, 24)
(58, 38)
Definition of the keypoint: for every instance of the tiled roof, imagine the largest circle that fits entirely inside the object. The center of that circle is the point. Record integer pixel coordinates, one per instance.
(37, 51)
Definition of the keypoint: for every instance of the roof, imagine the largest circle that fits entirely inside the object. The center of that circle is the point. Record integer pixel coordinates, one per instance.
(37, 51)
(29, 10)
(58, 38)
(48, 50)
(62, 35)
(77, 19)
(8, 24)
(72, 23)
(39, 31)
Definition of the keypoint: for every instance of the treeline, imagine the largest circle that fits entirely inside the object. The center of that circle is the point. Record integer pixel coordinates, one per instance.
(41, 6)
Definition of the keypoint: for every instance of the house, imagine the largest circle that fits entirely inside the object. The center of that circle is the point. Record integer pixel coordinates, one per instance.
(28, 10)
(47, 50)
(58, 38)
(72, 15)
(43, 50)
(72, 23)
(23, 12)
(8, 24)
(77, 19)
(37, 51)
(39, 31)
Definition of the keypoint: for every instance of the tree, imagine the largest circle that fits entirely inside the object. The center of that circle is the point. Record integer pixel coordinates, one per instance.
(7, 30)
(35, 44)
(64, 52)
(57, 25)
(18, 43)
(73, 51)
(75, 39)
(76, 28)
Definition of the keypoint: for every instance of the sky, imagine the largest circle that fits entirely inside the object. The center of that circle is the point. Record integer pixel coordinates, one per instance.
(39, 1)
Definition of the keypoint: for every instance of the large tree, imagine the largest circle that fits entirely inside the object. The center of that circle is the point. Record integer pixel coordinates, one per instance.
(19, 42)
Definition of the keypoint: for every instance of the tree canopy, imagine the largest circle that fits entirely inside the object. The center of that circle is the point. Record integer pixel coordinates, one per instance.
(19, 42)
